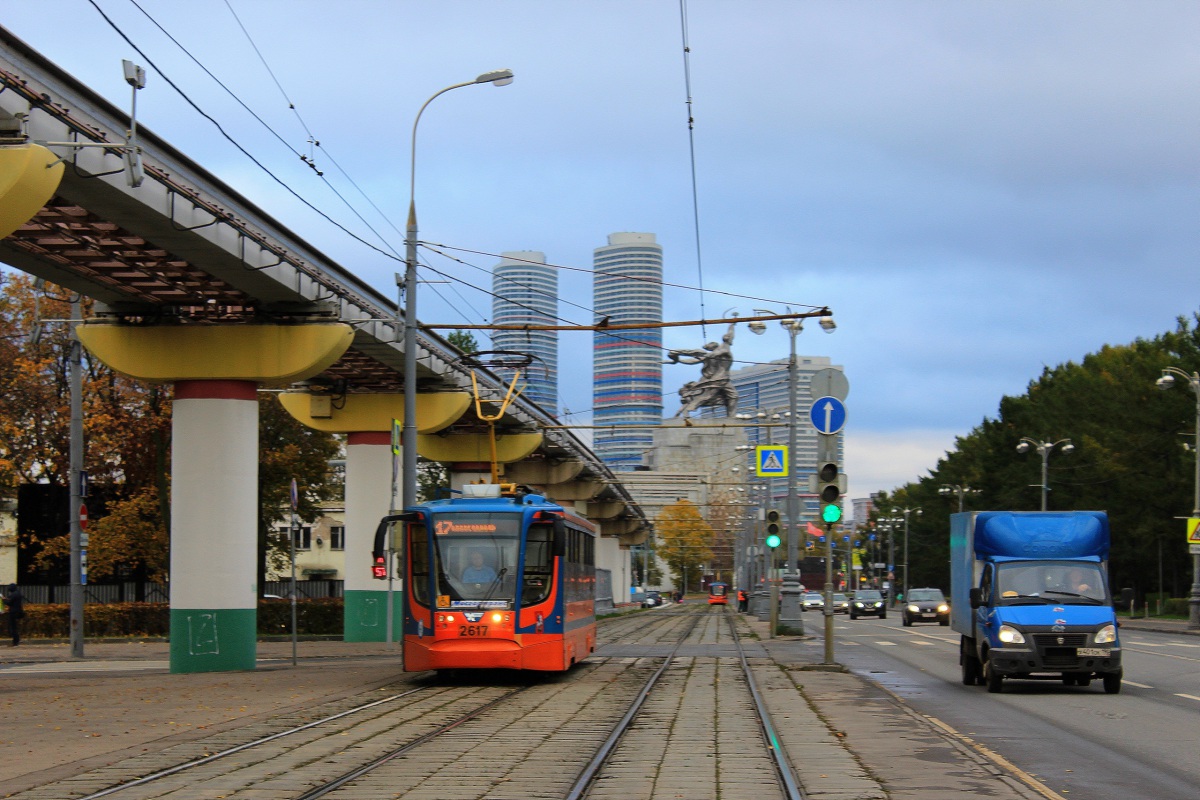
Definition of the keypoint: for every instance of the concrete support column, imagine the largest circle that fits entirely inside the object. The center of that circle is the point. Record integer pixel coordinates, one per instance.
(214, 525)
(369, 464)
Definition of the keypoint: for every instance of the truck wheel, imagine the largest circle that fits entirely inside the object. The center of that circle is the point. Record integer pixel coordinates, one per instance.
(970, 670)
(994, 680)
(1112, 683)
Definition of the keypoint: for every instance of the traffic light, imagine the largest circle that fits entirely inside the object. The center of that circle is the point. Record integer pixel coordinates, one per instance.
(773, 529)
(829, 490)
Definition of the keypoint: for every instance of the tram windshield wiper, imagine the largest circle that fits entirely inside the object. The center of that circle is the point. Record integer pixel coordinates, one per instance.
(495, 584)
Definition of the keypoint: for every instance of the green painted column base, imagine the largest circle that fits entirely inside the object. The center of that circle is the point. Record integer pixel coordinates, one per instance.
(213, 639)
(365, 616)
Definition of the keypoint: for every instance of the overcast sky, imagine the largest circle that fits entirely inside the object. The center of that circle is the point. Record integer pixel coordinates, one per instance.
(976, 189)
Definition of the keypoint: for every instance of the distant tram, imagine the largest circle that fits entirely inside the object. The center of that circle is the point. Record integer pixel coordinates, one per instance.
(494, 581)
(718, 594)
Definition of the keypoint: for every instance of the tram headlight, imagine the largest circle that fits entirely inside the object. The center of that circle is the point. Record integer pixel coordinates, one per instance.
(497, 617)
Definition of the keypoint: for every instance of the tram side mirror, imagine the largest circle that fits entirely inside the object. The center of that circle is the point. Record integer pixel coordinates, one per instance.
(976, 598)
(560, 538)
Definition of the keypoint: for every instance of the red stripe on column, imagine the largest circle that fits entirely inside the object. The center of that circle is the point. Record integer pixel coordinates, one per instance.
(369, 437)
(216, 390)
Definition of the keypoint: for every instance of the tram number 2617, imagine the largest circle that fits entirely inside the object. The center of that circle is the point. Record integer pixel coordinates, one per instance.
(472, 630)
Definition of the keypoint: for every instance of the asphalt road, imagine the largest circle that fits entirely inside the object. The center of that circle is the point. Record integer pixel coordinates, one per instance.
(1079, 742)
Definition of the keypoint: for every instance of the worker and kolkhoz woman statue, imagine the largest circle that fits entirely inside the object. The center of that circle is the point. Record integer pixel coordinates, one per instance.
(714, 389)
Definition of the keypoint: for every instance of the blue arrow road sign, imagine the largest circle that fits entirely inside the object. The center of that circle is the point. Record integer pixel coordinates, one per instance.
(828, 415)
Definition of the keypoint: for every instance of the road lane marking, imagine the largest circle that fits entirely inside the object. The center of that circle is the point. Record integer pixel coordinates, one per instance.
(886, 644)
(1128, 682)
(1188, 696)
(1162, 655)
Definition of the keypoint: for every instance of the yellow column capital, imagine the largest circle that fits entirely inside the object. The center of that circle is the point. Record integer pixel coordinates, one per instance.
(29, 177)
(274, 355)
(355, 413)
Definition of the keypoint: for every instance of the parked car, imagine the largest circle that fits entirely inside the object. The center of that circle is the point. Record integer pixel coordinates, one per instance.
(841, 603)
(812, 601)
(652, 599)
(868, 602)
(925, 605)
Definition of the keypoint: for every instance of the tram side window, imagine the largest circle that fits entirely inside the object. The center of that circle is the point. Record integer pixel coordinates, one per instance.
(538, 558)
(590, 558)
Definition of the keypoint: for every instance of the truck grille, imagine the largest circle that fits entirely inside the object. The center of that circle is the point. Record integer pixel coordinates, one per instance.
(1055, 640)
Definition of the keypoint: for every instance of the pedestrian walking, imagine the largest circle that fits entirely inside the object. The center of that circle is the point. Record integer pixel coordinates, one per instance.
(14, 603)
(742, 600)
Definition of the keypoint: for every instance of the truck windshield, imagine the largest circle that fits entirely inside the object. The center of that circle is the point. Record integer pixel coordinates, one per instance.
(1061, 582)
(473, 560)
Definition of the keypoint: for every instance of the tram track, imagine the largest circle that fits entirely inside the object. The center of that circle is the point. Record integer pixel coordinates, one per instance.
(482, 737)
(734, 689)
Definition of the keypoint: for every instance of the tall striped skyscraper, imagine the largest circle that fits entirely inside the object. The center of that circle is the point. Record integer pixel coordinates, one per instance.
(627, 365)
(525, 292)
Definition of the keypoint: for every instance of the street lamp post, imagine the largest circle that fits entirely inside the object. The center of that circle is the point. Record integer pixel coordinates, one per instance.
(499, 77)
(1166, 382)
(791, 580)
(890, 526)
(906, 512)
(1044, 449)
(954, 488)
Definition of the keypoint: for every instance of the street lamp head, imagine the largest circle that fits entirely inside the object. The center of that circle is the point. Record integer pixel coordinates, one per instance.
(1023, 447)
(1165, 382)
(795, 325)
(828, 325)
(1068, 448)
(757, 326)
(945, 490)
(497, 77)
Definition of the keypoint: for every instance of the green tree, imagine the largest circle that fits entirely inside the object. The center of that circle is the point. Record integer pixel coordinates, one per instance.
(464, 341)
(1128, 460)
(684, 541)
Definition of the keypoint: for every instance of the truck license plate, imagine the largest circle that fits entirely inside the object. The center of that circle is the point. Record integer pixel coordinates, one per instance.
(1092, 651)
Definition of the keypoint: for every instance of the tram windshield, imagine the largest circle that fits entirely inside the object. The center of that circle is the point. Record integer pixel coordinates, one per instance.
(474, 560)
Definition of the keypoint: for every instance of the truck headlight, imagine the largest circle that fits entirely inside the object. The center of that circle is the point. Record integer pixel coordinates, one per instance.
(1010, 635)
(1106, 635)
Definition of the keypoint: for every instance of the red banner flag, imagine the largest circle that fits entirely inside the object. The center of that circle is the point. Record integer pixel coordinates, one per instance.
(813, 530)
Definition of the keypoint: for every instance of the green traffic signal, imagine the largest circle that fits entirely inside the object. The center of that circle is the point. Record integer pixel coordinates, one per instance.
(831, 513)
(773, 541)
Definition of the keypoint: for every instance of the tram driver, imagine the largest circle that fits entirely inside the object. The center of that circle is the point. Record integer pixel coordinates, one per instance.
(477, 571)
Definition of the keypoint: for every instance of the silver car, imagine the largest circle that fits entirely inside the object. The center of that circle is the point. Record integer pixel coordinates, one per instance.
(812, 601)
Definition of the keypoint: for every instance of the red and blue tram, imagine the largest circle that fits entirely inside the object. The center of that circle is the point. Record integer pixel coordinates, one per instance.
(718, 594)
(497, 582)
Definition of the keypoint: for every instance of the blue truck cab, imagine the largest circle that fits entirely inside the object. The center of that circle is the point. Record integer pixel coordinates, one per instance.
(1030, 598)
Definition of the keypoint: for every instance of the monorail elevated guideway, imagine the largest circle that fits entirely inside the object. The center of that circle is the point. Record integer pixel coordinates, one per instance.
(197, 287)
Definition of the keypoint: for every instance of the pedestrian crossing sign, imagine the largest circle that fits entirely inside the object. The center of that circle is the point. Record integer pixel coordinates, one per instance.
(1193, 529)
(770, 460)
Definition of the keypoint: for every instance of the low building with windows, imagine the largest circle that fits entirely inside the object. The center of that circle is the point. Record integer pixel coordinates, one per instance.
(320, 547)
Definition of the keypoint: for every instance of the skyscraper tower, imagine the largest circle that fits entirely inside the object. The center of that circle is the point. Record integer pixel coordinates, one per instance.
(525, 292)
(627, 365)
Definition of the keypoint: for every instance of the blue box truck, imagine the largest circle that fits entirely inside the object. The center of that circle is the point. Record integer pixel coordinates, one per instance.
(1029, 595)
